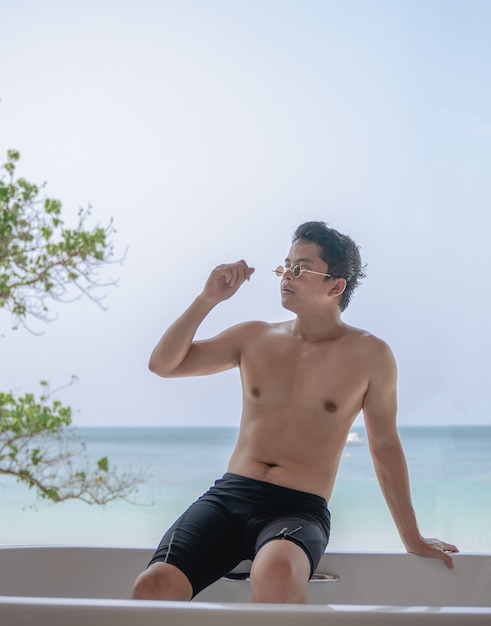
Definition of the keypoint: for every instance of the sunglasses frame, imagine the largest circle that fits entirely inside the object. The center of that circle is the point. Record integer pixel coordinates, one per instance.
(297, 271)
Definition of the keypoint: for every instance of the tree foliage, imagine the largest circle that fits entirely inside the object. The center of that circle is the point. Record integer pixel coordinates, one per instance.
(39, 449)
(40, 259)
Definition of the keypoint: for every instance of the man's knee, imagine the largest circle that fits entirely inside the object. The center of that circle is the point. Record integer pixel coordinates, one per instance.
(162, 581)
(280, 573)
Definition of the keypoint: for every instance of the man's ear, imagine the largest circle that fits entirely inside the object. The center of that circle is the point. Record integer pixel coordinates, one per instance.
(337, 286)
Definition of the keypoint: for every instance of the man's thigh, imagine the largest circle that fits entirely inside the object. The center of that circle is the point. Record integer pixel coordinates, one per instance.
(204, 543)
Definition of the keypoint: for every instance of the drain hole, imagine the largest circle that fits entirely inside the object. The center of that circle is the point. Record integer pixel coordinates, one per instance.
(316, 578)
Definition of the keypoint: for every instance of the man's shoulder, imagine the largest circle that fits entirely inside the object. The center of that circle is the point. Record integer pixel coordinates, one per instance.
(259, 330)
(368, 340)
(252, 327)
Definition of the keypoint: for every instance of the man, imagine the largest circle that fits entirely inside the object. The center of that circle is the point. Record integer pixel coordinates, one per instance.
(304, 382)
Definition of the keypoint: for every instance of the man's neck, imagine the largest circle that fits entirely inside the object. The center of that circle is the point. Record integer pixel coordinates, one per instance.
(318, 328)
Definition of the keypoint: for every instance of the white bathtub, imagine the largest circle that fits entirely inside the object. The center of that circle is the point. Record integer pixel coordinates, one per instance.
(69, 586)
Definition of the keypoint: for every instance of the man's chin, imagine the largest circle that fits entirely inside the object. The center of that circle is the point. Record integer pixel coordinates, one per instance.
(287, 304)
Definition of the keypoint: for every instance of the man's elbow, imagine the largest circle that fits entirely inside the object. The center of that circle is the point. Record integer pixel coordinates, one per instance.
(385, 448)
(157, 367)
(152, 366)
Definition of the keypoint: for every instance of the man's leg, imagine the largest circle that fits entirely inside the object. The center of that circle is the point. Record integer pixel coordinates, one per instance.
(280, 573)
(162, 581)
(199, 548)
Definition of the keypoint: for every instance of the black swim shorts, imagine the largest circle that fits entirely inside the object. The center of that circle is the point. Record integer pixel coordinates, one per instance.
(234, 519)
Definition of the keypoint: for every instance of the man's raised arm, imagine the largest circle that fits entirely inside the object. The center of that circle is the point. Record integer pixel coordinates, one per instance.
(176, 354)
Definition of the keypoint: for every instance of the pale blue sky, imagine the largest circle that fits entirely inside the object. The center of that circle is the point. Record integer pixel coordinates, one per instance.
(209, 130)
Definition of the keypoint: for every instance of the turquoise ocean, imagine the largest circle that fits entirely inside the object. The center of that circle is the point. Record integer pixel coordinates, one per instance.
(450, 473)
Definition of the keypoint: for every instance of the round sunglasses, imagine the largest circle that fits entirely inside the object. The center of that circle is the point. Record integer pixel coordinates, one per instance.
(296, 270)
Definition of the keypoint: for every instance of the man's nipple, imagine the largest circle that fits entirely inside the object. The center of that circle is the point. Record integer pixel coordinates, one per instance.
(255, 392)
(330, 406)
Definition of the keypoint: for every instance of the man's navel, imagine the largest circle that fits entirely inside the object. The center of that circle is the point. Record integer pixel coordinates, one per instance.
(255, 392)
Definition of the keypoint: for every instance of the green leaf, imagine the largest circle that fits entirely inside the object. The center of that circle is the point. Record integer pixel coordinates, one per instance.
(52, 206)
(103, 464)
(36, 456)
(47, 232)
(51, 494)
(13, 155)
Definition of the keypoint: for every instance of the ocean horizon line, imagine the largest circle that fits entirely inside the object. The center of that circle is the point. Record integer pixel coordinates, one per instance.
(236, 427)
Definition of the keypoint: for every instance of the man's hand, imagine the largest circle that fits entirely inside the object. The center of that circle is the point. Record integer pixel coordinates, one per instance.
(435, 549)
(225, 280)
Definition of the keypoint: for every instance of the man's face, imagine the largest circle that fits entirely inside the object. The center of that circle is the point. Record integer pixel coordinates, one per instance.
(308, 287)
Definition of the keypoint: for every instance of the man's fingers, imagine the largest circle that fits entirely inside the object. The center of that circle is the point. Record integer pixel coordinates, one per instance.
(242, 272)
(236, 273)
(449, 547)
(444, 551)
(434, 548)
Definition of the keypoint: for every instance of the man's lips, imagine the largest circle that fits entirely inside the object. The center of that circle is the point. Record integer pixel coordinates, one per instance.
(286, 289)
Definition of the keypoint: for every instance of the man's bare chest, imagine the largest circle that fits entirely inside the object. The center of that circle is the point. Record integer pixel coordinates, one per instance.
(326, 377)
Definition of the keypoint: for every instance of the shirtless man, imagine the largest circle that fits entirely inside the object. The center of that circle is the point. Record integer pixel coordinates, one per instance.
(304, 382)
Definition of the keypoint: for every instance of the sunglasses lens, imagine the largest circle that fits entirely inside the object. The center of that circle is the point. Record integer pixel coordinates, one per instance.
(297, 270)
(279, 270)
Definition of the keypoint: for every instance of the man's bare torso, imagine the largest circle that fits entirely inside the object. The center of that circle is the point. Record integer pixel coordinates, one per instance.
(300, 399)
